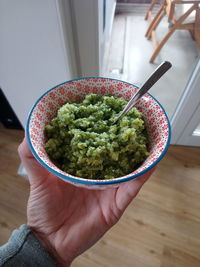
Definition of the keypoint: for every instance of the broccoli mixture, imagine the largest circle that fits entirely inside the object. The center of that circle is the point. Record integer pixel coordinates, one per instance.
(82, 140)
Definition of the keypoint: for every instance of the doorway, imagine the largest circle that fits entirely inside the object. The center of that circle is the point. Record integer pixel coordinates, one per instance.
(117, 48)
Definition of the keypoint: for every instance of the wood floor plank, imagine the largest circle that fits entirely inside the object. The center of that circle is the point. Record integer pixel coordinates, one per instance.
(160, 228)
(174, 257)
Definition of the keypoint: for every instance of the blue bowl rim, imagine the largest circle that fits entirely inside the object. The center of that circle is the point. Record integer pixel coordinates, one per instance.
(94, 182)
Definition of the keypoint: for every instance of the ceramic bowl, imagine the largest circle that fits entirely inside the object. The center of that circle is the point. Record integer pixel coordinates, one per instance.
(45, 108)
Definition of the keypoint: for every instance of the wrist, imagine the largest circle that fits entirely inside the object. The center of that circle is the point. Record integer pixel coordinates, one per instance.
(49, 248)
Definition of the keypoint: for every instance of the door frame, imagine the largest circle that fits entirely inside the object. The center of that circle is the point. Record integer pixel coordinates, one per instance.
(187, 106)
(91, 27)
(86, 19)
(66, 28)
(190, 137)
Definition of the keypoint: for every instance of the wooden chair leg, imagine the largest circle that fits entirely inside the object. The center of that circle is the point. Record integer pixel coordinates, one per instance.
(192, 34)
(197, 27)
(170, 32)
(153, 23)
(153, 2)
(161, 44)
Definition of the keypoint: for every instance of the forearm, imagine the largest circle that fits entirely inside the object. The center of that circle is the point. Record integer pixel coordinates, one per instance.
(24, 249)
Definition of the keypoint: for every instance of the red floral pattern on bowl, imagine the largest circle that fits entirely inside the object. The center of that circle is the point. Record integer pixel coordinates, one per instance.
(46, 107)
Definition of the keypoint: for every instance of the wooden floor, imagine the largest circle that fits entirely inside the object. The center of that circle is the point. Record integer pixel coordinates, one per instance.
(160, 228)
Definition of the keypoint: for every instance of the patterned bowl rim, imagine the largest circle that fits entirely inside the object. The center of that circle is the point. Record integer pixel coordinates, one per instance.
(95, 182)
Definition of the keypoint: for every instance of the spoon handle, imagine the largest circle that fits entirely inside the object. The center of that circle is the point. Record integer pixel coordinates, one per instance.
(155, 76)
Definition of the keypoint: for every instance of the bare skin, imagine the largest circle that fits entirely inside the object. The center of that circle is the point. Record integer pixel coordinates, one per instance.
(67, 219)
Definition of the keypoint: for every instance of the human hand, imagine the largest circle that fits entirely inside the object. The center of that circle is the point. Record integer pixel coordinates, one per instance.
(68, 219)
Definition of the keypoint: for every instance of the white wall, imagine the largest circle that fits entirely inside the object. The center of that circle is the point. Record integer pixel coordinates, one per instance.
(33, 56)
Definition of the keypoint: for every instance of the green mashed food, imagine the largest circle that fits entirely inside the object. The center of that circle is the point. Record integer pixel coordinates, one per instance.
(82, 141)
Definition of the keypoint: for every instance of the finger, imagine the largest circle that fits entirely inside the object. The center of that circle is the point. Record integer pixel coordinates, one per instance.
(126, 192)
(34, 170)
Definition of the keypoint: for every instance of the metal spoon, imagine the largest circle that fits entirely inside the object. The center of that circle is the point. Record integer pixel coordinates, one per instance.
(155, 76)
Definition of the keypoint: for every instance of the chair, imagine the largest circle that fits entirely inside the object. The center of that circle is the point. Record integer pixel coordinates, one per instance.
(182, 14)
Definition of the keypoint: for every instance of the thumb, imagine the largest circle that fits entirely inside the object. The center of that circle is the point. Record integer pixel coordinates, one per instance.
(126, 192)
(36, 173)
